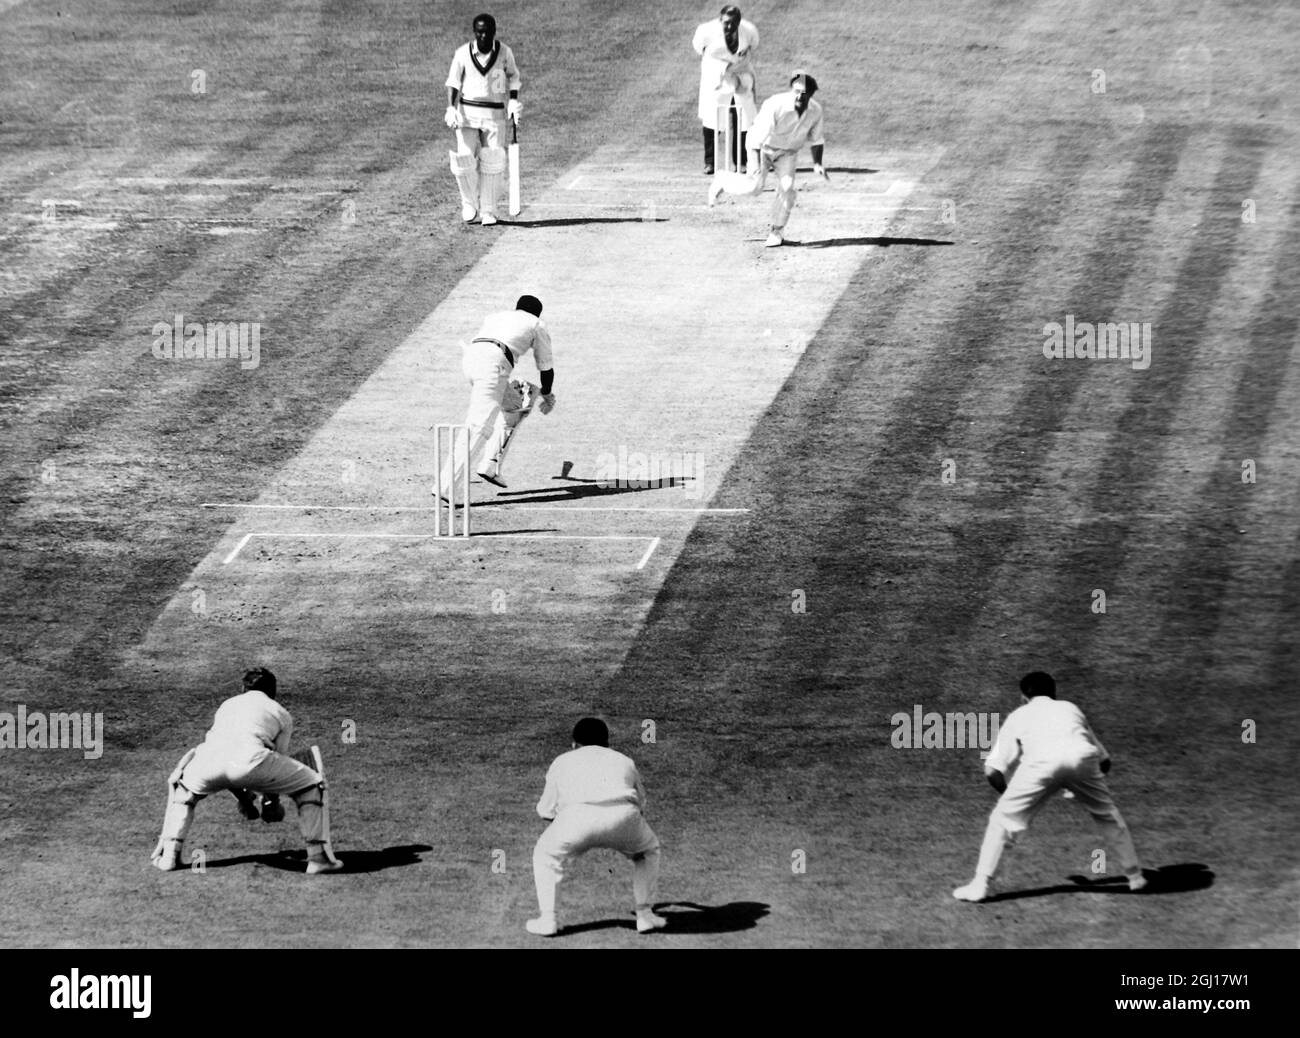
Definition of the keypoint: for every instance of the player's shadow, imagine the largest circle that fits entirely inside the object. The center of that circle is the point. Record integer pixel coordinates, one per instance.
(353, 861)
(841, 169)
(884, 243)
(579, 221)
(1168, 879)
(687, 917)
(583, 489)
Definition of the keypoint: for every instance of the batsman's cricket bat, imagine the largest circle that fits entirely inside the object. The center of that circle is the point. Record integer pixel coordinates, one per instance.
(513, 160)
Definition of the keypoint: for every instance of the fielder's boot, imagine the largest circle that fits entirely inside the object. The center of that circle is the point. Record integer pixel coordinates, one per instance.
(975, 891)
(167, 856)
(1136, 881)
(318, 861)
(494, 480)
(542, 926)
(647, 921)
(774, 239)
(715, 192)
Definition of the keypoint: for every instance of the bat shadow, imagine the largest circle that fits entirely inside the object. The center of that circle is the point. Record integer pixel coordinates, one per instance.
(583, 489)
(353, 861)
(578, 221)
(884, 243)
(689, 919)
(1168, 879)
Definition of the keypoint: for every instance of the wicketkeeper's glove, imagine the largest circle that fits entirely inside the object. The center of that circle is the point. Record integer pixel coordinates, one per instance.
(272, 809)
(247, 804)
(548, 403)
(451, 118)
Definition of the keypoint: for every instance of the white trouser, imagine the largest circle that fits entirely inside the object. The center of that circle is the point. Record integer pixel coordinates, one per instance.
(784, 164)
(585, 827)
(488, 371)
(1030, 787)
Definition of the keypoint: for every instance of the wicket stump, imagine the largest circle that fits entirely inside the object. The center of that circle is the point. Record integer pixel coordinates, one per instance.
(446, 439)
(727, 154)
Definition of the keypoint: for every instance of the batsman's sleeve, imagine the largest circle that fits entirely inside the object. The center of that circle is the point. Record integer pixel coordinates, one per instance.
(512, 69)
(550, 802)
(1097, 742)
(1006, 748)
(816, 133)
(286, 733)
(542, 347)
(456, 75)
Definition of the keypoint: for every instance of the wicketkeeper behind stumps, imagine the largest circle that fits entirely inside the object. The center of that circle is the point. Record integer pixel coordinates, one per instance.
(246, 752)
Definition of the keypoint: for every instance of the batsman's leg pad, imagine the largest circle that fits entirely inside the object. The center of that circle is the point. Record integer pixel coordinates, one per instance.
(464, 167)
(739, 183)
(491, 168)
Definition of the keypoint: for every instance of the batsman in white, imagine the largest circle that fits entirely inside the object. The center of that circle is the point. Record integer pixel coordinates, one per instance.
(1045, 746)
(785, 124)
(246, 751)
(594, 798)
(496, 404)
(726, 47)
(482, 95)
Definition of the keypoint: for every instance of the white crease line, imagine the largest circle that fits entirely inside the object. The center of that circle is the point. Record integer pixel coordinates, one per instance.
(238, 548)
(451, 539)
(648, 552)
(434, 508)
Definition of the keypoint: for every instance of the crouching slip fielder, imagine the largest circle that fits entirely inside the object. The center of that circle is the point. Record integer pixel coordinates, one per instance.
(482, 92)
(246, 752)
(1050, 746)
(785, 123)
(595, 798)
(497, 405)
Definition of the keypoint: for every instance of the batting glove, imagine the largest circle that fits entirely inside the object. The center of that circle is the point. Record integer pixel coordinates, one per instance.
(514, 109)
(548, 403)
(247, 804)
(820, 170)
(451, 118)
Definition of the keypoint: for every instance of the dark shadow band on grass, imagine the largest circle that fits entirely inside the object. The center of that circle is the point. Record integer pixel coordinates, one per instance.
(1169, 879)
(696, 919)
(579, 221)
(883, 243)
(839, 169)
(353, 861)
(579, 490)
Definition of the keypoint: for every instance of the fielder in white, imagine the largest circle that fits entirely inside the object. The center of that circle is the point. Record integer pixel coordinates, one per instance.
(785, 124)
(726, 47)
(482, 95)
(595, 797)
(246, 751)
(1046, 745)
(496, 404)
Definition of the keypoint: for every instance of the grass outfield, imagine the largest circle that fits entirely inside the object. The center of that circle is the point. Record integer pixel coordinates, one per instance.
(306, 187)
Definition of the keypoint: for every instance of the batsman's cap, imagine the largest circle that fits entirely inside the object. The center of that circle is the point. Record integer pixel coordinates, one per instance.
(531, 304)
(1038, 683)
(591, 731)
(261, 679)
(809, 82)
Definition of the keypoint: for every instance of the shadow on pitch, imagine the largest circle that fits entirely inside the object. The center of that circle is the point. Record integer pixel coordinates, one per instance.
(578, 221)
(840, 169)
(582, 490)
(1169, 879)
(884, 243)
(353, 861)
(688, 917)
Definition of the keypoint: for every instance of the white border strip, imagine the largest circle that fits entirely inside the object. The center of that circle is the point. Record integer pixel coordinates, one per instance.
(446, 539)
